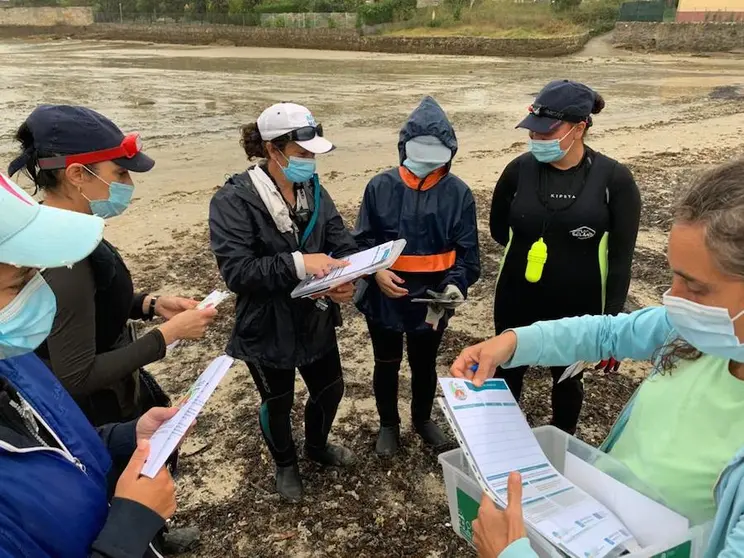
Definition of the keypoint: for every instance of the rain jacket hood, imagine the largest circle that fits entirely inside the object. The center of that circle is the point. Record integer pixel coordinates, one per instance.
(428, 119)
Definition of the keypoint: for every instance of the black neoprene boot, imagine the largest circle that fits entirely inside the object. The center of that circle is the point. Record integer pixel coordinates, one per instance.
(332, 455)
(289, 483)
(431, 434)
(388, 441)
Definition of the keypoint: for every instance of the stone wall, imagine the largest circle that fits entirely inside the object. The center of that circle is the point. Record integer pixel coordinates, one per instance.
(46, 17)
(679, 37)
(335, 20)
(331, 39)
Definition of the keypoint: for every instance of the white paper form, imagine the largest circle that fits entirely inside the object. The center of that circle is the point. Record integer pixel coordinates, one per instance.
(166, 438)
(361, 263)
(649, 521)
(498, 439)
(212, 300)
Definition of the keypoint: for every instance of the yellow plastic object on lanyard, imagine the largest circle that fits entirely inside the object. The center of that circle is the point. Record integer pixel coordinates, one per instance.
(536, 258)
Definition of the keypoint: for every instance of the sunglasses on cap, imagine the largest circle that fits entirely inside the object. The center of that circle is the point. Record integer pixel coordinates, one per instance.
(305, 134)
(130, 146)
(546, 112)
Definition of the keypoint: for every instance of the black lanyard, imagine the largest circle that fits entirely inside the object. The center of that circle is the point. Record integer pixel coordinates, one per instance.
(544, 195)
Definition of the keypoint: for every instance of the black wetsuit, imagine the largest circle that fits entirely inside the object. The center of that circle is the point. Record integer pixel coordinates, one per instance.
(588, 217)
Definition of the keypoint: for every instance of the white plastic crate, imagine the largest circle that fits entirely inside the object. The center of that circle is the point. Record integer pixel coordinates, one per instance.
(464, 495)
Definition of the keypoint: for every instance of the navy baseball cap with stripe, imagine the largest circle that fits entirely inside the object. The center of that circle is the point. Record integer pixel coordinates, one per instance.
(77, 134)
(560, 101)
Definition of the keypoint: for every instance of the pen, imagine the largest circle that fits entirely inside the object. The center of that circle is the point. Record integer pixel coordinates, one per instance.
(321, 303)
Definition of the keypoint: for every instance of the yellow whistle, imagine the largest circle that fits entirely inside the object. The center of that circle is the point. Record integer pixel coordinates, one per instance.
(536, 258)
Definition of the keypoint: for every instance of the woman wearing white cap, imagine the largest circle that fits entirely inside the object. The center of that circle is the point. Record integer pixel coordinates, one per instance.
(271, 227)
(54, 466)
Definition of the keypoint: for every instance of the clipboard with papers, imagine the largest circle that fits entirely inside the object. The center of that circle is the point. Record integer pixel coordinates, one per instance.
(362, 263)
(496, 440)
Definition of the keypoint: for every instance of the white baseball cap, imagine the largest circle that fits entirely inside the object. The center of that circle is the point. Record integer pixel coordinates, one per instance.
(34, 235)
(285, 118)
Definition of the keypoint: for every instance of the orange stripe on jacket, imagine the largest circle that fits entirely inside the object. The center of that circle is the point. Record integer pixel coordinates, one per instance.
(425, 264)
(413, 181)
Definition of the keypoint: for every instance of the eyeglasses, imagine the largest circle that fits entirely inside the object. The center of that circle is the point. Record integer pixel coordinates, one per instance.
(130, 146)
(305, 134)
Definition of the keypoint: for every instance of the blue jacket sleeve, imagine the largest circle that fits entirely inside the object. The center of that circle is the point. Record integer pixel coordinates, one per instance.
(519, 549)
(562, 342)
(364, 231)
(466, 270)
(734, 545)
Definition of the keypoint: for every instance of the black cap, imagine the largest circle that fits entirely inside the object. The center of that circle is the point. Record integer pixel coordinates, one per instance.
(72, 130)
(560, 101)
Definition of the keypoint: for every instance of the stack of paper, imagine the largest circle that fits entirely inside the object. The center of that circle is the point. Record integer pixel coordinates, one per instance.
(212, 300)
(497, 440)
(360, 264)
(166, 438)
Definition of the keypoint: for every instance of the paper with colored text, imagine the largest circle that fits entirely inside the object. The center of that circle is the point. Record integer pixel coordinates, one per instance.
(497, 440)
(166, 438)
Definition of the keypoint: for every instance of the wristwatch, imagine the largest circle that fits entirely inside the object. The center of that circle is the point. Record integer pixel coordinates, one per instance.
(151, 311)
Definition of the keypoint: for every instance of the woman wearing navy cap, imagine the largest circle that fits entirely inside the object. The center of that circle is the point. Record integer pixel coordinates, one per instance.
(568, 218)
(82, 162)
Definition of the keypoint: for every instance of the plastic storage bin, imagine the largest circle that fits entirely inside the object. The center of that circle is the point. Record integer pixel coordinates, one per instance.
(464, 495)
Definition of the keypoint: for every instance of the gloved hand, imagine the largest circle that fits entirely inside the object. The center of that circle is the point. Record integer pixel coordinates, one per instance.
(609, 365)
(449, 299)
(446, 300)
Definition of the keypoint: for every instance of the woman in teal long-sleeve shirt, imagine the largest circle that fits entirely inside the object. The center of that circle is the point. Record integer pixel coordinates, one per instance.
(695, 396)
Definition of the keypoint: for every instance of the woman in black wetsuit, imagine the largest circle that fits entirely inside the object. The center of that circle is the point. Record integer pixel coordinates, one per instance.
(573, 214)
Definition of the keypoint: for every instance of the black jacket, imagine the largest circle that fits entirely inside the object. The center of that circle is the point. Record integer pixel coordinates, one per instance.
(256, 262)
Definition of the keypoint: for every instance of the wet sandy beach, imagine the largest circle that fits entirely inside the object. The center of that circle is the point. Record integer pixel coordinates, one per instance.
(667, 117)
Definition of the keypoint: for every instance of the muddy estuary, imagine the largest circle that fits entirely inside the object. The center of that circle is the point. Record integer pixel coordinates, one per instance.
(666, 117)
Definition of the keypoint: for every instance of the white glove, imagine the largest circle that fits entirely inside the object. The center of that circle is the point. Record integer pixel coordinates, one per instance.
(448, 300)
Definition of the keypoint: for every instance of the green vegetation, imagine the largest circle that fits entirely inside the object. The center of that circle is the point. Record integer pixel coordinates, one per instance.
(490, 18)
(386, 11)
(509, 19)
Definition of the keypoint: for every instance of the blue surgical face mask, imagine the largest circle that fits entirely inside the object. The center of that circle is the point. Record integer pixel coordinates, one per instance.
(299, 169)
(422, 170)
(549, 151)
(707, 328)
(27, 320)
(120, 196)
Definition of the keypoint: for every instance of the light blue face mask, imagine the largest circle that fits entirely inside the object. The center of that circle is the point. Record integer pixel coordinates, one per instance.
(120, 196)
(299, 169)
(422, 170)
(28, 319)
(707, 328)
(549, 151)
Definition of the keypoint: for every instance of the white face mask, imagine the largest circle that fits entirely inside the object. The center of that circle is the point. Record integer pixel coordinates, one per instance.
(707, 328)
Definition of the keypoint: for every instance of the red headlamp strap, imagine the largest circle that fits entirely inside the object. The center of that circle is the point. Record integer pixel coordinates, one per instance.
(130, 146)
